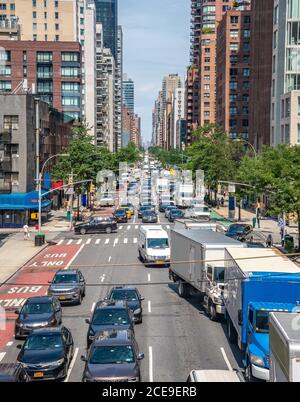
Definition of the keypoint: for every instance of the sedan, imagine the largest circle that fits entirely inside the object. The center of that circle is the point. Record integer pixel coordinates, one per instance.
(128, 205)
(97, 225)
(68, 286)
(149, 217)
(47, 353)
(239, 231)
(37, 312)
(133, 298)
(175, 214)
(145, 208)
(169, 209)
(163, 206)
(121, 216)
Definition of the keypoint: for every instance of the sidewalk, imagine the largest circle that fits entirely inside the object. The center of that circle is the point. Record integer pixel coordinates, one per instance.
(267, 225)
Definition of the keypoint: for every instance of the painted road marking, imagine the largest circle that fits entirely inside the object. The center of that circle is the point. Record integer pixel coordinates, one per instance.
(125, 240)
(2, 356)
(226, 359)
(98, 241)
(150, 364)
(121, 227)
(70, 242)
(9, 343)
(109, 258)
(102, 277)
(79, 241)
(135, 240)
(93, 306)
(116, 242)
(128, 227)
(74, 257)
(134, 219)
(149, 306)
(158, 219)
(60, 242)
(106, 241)
(136, 227)
(72, 364)
(149, 277)
(88, 241)
(168, 226)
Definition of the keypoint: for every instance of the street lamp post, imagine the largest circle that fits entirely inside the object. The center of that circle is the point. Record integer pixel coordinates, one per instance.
(40, 190)
(248, 143)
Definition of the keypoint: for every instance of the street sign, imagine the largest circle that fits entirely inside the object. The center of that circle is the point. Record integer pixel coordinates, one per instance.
(280, 222)
(231, 188)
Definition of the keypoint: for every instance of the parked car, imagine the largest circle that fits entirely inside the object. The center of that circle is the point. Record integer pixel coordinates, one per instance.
(13, 372)
(109, 315)
(239, 231)
(121, 216)
(37, 312)
(68, 286)
(133, 298)
(113, 356)
(149, 217)
(97, 225)
(175, 214)
(47, 353)
(107, 200)
(145, 208)
(163, 206)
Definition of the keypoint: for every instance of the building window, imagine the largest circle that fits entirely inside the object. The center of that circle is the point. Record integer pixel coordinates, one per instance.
(81, 10)
(287, 107)
(293, 9)
(2, 6)
(247, 19)
(298, 105)
(207, 77)
(233, 85)
(232, 122)
(45, 87)
(206, 113)
(245, 122)
(45, 3)
(245, 110)
(46, 26)
(34, 25)
(24, 71)
(70, 56)
(246, 72)
(246, 85)
(234, 19)
(56, 15)
(246, 46)
(206, 59)
(12, 7)
(34, 37)
(207, 50)
(233, 58)
(70, 88)
(5, 71)
(246, 59)
(206, 104)
(233, 110)
(298, 132)
(70, 72)
(71, 101)
(233, 71)
(56, 27)
(57, 38)
(233, 97)
(245, 98)
(247, 33)
(82, 32)
(81, 21)
(45, 15)
(34, 14)
(56, 3)
(206, 68)
(11, 122)
(234, 34)
(33, 3)
(206, 87)
(287, 133)
(44, 72)
(233, 47)
(206, 95)
(44, 57)
(4, 55)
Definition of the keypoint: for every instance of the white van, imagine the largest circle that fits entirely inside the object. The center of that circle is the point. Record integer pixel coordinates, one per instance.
(154, 245)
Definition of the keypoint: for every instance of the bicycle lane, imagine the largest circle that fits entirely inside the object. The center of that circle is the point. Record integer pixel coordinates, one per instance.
(31, 280)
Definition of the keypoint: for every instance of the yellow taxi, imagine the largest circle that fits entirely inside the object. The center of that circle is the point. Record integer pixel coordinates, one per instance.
(128, 211)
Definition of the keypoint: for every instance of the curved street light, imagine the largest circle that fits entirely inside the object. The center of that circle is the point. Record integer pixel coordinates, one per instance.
(248, 143)
(40, 189)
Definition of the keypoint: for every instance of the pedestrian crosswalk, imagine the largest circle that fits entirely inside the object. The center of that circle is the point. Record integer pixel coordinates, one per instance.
(98, 241)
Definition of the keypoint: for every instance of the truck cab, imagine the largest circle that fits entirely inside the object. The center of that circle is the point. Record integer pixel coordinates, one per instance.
(257, 354)
(213, 299)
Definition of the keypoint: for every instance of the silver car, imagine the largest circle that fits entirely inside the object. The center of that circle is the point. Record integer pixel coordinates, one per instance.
(68, 286)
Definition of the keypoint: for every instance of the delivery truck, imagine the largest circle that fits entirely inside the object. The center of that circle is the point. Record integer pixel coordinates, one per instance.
(284, 347)
(257, 282)
(197, 265)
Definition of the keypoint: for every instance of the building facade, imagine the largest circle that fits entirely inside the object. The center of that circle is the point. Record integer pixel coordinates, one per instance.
(233, 73)
(51, 70)
(261, 72)
(18, 152)
(285, 96)
(118, 89)
(107, 15)
(178, 113)
(128, 93)
(191, 102)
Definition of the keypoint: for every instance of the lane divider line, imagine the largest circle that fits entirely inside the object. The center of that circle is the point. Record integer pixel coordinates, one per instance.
(135, 240)
(69, 242)
(109, 258)
(136, 227)
(72, 364)
(128, 227)
(93, 306)
(121, 227)
(149, 306)
(102, 278)
(74, 257)
(226, 359)
(149, 277)
(150, 364)
(9, 343)
(116, 242)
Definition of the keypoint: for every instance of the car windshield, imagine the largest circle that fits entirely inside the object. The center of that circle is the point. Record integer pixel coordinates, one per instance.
(219, 274)
(201, 209)
(158, 243)
(176, 212)
(236, 229)
(112, 355)
(111, 317)
(65, 278)
(122, 294)
(41, 342)
(262, 322)
(37, 308)
(120, 212)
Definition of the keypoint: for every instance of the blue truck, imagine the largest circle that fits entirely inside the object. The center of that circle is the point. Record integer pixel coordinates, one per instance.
(257, 282)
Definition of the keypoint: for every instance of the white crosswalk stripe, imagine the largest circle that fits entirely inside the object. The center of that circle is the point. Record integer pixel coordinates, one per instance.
(125, 240)
(98, 241)
(88, 241)
(168, 226)
(106, 241)
(135, 240)
(128, 227)
(116, 242)
(79, 241)
(60, 242)
(121, 227)
(70, 242)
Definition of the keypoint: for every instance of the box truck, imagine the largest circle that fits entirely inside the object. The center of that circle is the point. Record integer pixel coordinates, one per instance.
(197, 264)
(284, 347)
(257, 282)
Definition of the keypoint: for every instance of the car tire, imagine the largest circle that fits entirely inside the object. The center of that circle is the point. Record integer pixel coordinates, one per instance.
(108, 230)
(82, 231)
(182, 289)
(79, 300)
(212, 312)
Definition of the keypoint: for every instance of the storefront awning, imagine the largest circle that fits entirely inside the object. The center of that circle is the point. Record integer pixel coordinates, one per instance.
(22, 201)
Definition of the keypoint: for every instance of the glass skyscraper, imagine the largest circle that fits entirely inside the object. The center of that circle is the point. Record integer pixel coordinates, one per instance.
(107, 15)
(128, 93)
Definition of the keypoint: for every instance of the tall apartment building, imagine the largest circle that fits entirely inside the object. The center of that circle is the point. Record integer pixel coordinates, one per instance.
(51, 70)
(118, 88)
(178, 113)
(233, 73)
(128, 93)
(285, 96)
(261, 72)
(61, 21)
(191, 102)
(105, 87)
(107, 15)
(156, 115)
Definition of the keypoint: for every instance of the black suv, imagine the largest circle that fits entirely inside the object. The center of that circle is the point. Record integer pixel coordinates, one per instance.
(109, 315)
(68, 286)
(239, 231)
(114, 356)
(97, 225)
(37, 312)
(133, 298)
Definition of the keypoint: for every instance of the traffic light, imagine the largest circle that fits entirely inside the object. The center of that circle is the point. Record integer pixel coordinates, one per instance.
(92, 188)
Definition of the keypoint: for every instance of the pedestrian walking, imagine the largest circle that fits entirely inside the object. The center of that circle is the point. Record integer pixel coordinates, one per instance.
(258, 220)
(269, 241)
(26, 232)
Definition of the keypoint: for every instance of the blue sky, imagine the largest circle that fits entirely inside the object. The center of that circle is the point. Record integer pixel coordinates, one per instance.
(156, 43)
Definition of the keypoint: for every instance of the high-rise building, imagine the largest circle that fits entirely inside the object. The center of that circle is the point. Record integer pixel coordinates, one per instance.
(156, 116)
(178, 113)
(118, 89)
(107, 15)
(285, 96)
(128, 93)
(233, 73)
(261, 73)
(51, 70)
(191, 102)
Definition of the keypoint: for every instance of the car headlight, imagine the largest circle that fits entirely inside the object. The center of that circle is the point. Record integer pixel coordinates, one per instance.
(137, 311)
(57, 363)
(20, 324)
(257, 360)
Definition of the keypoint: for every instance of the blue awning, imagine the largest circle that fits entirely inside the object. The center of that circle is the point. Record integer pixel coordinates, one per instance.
(22, 201)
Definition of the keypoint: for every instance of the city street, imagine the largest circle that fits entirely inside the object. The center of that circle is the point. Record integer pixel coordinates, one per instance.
(176, 335)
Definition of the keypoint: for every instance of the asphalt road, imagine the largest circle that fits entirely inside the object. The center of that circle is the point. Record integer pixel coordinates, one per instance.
(176, 336)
